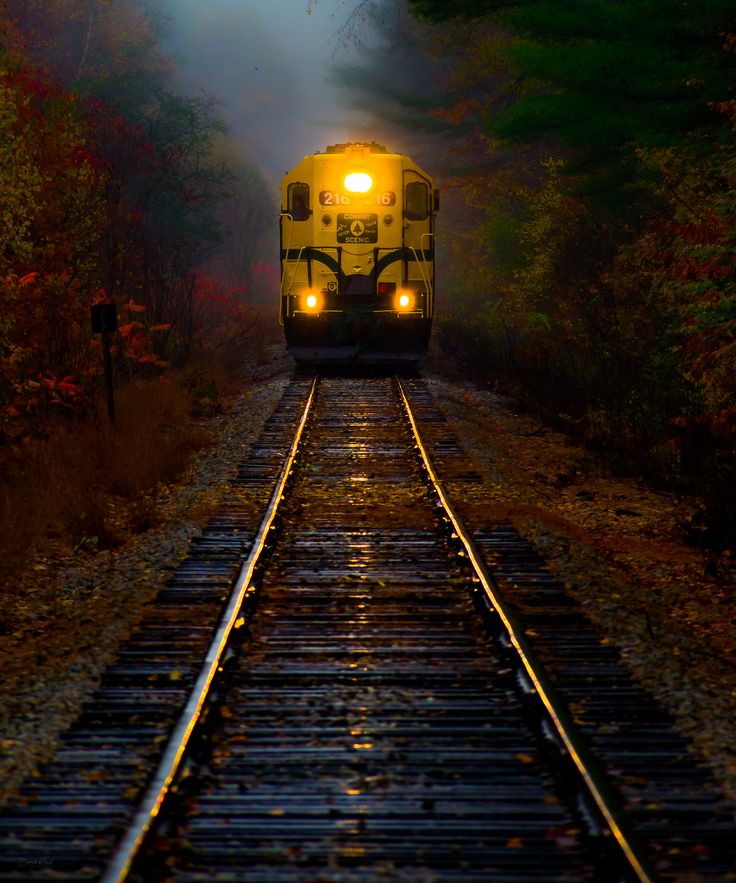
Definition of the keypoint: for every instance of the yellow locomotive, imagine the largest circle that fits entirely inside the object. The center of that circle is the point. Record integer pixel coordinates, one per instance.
(357, 256)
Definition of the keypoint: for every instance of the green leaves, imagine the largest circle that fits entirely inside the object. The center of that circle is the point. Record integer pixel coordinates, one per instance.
(606, 74)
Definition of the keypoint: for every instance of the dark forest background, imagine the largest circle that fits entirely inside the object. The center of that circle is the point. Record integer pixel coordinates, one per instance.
(587, 158)
(117, 187)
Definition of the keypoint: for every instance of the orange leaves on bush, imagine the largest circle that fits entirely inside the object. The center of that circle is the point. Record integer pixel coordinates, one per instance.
(67, 386)
(134, 340)
(47, 379)
(52, 202)
(133, 307)
(135, 343)
(129, 328)
(38, 397)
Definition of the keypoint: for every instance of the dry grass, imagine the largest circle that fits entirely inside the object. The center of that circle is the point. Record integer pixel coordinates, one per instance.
(214, 375)
(90, 484)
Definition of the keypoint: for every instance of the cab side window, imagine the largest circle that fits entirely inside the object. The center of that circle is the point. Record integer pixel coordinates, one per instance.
(298, 201)
(416, 201)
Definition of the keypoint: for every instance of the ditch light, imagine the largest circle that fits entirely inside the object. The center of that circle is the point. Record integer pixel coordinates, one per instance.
(405, 300)
(311, 301)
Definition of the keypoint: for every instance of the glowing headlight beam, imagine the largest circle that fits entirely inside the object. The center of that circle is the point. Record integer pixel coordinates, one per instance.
(311, 301)
(358, 182)
(405, 301)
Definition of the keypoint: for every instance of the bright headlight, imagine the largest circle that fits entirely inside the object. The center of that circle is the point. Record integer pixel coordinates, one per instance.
(311, 301)
(358, 182)
(405, 300)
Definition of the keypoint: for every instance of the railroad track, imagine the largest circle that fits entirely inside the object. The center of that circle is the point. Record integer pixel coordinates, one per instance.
(359, 689)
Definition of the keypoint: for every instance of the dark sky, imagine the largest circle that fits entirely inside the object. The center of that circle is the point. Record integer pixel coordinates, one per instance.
(266, 60)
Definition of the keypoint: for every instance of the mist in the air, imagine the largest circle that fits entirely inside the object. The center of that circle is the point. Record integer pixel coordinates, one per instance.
(293, 76)
(267, 65)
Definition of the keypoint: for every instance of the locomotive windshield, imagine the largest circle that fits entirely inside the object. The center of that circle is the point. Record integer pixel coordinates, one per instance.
(416, 207)
(298, 202)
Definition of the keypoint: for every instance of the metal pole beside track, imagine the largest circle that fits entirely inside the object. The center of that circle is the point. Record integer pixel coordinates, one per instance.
(131, 842)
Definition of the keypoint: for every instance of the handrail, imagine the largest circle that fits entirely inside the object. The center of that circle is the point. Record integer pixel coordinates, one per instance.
(283, 266)
(430, 288)
(425, 276)
(282, 294)
(288, 249)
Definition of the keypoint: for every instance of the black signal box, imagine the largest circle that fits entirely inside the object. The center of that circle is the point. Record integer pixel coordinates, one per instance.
(104, 318)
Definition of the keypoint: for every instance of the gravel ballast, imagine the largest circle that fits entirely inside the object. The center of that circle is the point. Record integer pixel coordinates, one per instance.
(616, 544)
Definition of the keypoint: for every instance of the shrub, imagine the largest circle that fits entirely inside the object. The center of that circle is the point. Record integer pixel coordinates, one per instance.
(88, 484)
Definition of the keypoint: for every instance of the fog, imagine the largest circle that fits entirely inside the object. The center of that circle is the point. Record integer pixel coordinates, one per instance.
(267, 63)
(293, 77)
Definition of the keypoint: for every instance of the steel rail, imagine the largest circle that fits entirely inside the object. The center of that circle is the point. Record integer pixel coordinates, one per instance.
(555, 706)
(122, 860)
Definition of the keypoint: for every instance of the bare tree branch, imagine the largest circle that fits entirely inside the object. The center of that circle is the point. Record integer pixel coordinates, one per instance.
(87, 38)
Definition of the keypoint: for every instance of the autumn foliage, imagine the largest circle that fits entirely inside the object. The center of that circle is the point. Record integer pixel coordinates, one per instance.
(115, 189)
(605, 226)
(112, 191)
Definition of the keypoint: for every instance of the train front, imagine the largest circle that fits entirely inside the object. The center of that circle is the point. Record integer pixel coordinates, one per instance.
(357, 256)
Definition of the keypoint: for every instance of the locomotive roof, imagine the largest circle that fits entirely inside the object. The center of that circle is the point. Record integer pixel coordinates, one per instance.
(371, 146)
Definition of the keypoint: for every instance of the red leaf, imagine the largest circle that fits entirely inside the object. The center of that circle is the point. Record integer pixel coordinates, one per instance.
(128, 329)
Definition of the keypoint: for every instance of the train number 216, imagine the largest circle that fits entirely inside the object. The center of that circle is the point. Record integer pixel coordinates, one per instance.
(332, 197)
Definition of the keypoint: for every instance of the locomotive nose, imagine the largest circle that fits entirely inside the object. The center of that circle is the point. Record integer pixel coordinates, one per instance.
(354, 278)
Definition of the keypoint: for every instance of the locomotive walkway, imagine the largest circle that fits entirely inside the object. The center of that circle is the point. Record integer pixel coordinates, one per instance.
(369, 716)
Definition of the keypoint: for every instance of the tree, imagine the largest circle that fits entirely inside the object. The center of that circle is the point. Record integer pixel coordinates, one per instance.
(50, 227)
(619, 290)
(245, 216)
(112, 190)
(604, 75)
